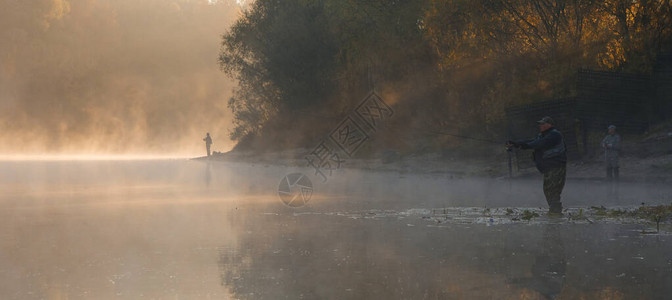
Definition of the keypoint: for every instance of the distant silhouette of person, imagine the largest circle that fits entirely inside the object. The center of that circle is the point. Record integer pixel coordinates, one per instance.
(612, 149)
(208, 142)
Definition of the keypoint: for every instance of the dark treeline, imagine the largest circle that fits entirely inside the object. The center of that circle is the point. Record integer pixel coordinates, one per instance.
(446, 65)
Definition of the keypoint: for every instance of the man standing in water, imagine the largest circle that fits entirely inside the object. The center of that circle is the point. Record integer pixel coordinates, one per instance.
(208, 142)
(612, 147)
(550, 157)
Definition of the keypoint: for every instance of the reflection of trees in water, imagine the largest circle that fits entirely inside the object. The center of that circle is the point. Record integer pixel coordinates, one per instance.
(317, 256)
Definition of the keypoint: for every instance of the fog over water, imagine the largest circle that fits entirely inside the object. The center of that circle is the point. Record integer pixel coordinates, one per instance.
(196, 230)
(101, 100)
(123, 76)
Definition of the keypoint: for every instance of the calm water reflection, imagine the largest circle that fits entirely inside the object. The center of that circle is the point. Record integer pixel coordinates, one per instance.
(190, 230)
(341, 258)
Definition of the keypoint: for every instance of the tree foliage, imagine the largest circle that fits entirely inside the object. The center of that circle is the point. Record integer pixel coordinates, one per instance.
(282, 54)
(456, 63)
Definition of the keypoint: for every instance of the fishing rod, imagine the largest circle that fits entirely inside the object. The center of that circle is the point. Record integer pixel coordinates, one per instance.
(463, 137)
(509, 149)
(451, 134)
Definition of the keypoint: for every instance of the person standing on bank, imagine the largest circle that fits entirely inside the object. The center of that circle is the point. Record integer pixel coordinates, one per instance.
(208, 142)
(612, 148)
(550, 157)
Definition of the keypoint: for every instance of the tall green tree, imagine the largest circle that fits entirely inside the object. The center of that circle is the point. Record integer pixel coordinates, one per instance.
(282, 53)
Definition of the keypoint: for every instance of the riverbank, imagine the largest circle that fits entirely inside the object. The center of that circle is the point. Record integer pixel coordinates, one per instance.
(655, 168)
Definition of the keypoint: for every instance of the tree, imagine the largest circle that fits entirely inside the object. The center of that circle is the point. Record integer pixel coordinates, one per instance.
(455, 63)
(282, 53)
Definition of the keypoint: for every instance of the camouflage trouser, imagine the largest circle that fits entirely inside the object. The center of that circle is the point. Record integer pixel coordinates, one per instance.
(554, 182)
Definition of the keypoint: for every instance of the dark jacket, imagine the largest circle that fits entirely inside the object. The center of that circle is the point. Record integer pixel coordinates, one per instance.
(549, 149)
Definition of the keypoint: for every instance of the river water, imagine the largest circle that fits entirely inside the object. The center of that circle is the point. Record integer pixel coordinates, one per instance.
(178, 229)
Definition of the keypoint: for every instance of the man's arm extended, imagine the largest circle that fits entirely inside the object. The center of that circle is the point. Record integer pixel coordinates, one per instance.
(547, 141)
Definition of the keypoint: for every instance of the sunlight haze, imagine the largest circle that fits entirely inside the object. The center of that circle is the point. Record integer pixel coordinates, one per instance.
(113, 77)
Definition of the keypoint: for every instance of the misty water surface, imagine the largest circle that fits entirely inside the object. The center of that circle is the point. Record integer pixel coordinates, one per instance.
(193, 230)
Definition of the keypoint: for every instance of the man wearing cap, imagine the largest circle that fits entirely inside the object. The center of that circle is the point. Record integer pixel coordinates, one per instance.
(612, 147)
(550, 157)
